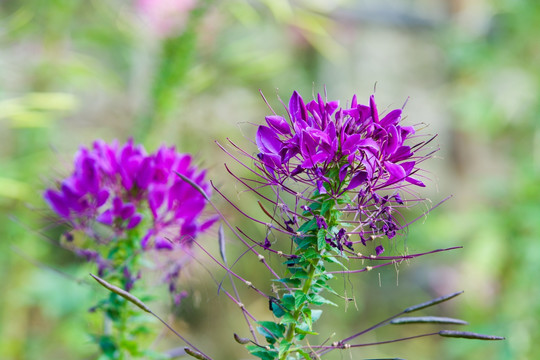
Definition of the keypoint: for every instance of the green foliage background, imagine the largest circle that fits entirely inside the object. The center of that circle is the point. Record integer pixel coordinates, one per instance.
(72, 71)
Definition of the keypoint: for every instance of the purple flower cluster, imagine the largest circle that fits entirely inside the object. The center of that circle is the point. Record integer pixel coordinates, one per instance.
(368, 150)
(117, 185)
(363, 160)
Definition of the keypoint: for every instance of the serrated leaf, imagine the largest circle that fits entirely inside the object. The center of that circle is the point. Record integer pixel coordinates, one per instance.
(316, 314)
(315, 205)
(332, 259)
(304, 330)
(277, 310)
(262, 353)
(290, 281)
(288, 319)
(288, 301)
(284, 345)
(323, 285)
(304, 242)
(306, 315)
(299, 299)
(326, 206)
(304, 354)
(333, 230)
(344, 199)
(308, 226)
(311, 254)
(298, 273)
(317, 299)
(270, 330)
(321, 239)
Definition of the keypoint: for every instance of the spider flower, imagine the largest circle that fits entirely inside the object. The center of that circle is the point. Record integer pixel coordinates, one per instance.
(367, 149)
(118, 186)
(322, 151)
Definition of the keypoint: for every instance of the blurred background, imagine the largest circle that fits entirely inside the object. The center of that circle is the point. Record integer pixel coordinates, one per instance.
(188, 72)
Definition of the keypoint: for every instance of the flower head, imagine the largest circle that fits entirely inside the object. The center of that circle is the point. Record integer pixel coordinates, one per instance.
(119, 186)
(362, 159)
(368, 151)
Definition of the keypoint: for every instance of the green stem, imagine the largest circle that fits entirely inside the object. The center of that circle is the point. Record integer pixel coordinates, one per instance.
(122, 329)
(289, 336)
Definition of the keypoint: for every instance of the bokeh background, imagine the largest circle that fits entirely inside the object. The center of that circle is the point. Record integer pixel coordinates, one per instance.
(188, 72)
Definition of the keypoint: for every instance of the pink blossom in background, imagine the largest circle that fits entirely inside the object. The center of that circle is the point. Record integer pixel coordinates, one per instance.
(165, 17)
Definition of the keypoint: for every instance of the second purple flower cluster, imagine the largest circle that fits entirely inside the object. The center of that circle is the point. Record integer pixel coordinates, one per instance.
(118, 185)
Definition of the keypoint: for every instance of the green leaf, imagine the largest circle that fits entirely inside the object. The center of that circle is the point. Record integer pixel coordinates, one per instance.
(288, 301)
(321, 239)
(290, 281)
(270, 330)
(311, 254)
(303, 329)
(308, 226)
(298, 273)
(316, 314)
(317, 299)
(321, 284)
(288, 319)
(304, 242)
(299, 298)
(344, 199)
(277, 309)
(291, 262)
(315, 205)
(262, 353)
(326, 206)
(304, 354)
(332, 259)
(107, 345)
(306, 314)
(284, 345)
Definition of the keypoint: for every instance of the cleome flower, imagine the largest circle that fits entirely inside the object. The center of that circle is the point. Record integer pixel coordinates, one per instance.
(116, 185)
(320, 151)
(367, 150)
(119, 194)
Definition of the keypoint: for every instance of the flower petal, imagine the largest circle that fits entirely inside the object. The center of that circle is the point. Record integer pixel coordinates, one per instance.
(57, 202)
(357, 180)
(267, 140)
(279, 124)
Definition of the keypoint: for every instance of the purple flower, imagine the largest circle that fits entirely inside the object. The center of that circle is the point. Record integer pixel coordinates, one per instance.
(370, 151)
(363, 160)
(119, 186)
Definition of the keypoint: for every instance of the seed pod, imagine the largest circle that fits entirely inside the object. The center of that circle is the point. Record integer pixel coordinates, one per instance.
(427, 320)
(240, 340)
(432, 302)
(195, 354)
(468, 335)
